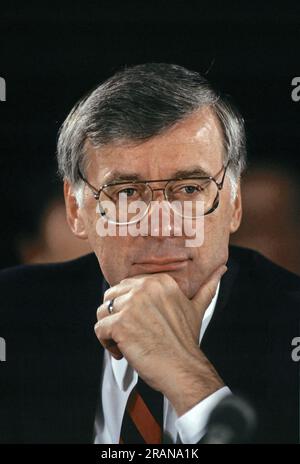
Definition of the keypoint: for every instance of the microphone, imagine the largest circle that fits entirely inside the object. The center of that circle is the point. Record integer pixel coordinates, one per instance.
(232, 421)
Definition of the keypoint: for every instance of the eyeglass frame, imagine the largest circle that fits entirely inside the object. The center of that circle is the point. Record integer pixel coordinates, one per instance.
(96, 193)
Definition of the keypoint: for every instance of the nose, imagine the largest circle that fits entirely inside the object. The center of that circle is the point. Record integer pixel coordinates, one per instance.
(161, 195)
(162, 222)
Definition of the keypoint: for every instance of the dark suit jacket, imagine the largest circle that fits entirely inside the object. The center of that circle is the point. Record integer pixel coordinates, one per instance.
(50, 380)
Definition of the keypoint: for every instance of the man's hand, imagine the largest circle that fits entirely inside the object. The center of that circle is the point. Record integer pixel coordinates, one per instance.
(156, 328)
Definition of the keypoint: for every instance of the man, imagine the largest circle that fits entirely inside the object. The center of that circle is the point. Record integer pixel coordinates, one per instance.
(153, 135)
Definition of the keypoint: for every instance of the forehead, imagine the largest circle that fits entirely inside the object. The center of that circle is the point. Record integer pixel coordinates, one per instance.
(195, 141)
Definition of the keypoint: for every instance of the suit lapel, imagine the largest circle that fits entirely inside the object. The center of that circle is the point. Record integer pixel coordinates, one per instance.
(235, 340)
(210, 337)
(91, 375)
(87, 363)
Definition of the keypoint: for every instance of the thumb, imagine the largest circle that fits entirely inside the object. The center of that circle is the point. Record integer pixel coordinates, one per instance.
(208, 289)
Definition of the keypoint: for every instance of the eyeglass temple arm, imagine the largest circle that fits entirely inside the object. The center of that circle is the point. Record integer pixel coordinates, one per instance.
(220, 184)
(96, 192)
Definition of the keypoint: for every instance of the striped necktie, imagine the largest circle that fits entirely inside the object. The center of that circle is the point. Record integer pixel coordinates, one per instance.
(143, 416)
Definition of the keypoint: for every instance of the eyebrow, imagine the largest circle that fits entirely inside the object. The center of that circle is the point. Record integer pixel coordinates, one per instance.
(193, 171)
(118, 176)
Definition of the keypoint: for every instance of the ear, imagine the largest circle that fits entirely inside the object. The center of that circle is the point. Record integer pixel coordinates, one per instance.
(74, 213)
(237, 211)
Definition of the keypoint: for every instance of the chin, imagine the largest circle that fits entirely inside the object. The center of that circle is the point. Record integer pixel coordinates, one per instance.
(190, 292)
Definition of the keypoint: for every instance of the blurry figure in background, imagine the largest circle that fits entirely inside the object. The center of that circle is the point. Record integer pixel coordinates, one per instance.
(271, 214)
(53, 241)
(34, 227)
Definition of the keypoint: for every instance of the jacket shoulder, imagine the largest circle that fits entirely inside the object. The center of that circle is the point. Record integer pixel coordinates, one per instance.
(21, 275)
(264, 271)
(35, 291)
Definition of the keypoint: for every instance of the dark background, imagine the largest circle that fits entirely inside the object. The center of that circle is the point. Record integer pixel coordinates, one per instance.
(51, 54)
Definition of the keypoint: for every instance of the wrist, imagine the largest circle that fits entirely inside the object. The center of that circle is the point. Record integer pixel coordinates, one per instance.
(191, 383)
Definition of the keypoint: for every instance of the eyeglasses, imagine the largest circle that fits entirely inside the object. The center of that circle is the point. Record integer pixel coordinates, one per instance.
(126, 197)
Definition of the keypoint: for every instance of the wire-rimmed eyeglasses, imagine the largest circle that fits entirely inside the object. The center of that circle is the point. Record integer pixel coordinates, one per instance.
(127, 197)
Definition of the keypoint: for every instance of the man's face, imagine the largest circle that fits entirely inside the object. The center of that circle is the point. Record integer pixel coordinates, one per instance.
(193, 143)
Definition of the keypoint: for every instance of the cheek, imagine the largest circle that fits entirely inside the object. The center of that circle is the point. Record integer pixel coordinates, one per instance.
(216, 229)
(217, 224)
(113, 254)
(214, 250)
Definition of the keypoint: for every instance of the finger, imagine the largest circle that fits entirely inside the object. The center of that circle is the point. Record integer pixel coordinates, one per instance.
(110, 293)
(117, 290)
(102, 310)
(124, 286)
(207, 291)
(103, 333)
(112, 347)
(119, 303)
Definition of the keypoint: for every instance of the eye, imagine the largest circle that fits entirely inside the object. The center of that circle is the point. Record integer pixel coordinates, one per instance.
(190, 189)
(127, 192)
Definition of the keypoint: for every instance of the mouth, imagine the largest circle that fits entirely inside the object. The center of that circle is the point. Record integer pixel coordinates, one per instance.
(162, 264)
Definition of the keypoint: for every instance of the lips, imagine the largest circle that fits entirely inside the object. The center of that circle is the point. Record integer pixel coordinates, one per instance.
(162, 264)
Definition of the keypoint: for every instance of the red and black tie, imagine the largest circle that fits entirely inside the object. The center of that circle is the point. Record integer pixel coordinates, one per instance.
(143, 416)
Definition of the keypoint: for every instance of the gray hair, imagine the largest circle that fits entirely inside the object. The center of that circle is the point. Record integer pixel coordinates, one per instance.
(140, 102)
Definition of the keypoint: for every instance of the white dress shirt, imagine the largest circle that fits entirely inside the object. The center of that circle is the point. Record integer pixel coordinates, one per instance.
(119, 378)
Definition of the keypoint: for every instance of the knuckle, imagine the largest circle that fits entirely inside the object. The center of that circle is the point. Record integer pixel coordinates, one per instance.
(167, 283)
(140, 283)
(97, 329)
(166, 278)
(151, 282)
(141, 286)
(100, 311)
(106, 294)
